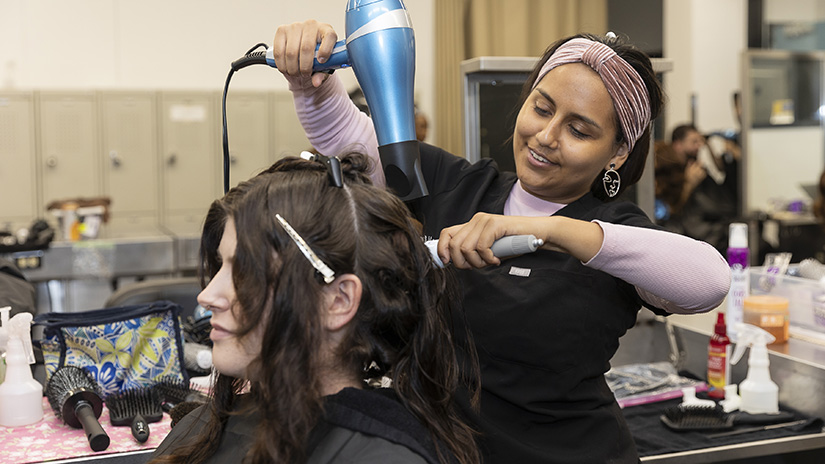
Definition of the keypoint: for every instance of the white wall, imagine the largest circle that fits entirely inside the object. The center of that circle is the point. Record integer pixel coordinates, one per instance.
(778, 11)
(157, 44)
(705, 40)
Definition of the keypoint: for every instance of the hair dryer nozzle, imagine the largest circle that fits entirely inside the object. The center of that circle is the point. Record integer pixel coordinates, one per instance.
(402, 169)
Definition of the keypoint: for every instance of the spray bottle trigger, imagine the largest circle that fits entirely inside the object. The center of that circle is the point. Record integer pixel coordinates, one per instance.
(748, 336)
(20, 326)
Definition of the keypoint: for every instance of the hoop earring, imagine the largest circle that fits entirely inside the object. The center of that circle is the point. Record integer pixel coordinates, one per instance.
(612, 181)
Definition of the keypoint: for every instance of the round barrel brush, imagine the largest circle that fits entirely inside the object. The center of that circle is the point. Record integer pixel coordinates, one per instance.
(73, 396)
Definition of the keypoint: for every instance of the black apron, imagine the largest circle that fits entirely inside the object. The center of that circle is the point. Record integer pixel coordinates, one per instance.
(545, 327)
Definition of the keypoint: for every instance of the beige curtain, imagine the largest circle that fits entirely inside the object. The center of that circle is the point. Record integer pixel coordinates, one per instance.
(470, 28)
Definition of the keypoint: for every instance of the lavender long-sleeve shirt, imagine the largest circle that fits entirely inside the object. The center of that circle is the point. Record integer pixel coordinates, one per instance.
(670, 271)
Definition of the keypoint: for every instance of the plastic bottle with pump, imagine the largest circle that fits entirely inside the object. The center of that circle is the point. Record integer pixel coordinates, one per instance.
(739, 276)
(758, 393)
(21, 397)
(718, 359)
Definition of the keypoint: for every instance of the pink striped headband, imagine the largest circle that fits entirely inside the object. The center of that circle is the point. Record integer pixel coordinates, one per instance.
(625, 86)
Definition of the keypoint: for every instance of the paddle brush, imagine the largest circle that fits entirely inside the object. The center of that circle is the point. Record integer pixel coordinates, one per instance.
(74, 397)
(135, 407)
(705, 418)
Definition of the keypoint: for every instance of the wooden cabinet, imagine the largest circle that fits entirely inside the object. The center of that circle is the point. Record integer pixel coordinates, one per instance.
(249, 126)
(156, 154)
(189, 158)
(20, 201)
(129, 157)
(68, 158)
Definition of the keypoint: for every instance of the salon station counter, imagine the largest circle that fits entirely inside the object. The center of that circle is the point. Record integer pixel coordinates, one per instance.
(78, 276)
(797, 367)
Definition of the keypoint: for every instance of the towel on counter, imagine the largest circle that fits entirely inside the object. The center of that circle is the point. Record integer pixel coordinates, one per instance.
(653, 438)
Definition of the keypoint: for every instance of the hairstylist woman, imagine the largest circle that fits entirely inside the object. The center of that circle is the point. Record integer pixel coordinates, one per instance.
(314, 288)
(545, 324)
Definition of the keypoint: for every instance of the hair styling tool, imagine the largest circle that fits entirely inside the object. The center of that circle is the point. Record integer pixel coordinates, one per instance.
(74, 396)
(512, 245)
(696, 417)
(135, 407)
(181, 410)
(759, 428)
(705, 418)
(380, 47)
(172, 391)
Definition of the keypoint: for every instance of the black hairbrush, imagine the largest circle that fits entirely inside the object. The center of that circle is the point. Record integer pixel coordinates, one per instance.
(684, 418)
(706, 418)
(135, 407)
(74, 396)
(173, 391)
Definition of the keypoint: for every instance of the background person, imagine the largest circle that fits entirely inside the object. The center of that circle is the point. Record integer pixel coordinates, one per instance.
(709, 199)
(300, 320)
(547, 323)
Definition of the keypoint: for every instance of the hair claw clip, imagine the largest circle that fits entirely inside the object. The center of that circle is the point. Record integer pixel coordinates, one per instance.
(333, 164)
(336, 175)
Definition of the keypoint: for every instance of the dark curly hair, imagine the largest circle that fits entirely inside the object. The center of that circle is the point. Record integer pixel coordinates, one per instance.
(402, 329)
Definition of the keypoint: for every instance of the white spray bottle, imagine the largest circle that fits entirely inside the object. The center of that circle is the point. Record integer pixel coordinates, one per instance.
(21, 397)
(758, 393)
(4, 339)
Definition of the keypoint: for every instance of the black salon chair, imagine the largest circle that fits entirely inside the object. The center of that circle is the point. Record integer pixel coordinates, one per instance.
(181, 290)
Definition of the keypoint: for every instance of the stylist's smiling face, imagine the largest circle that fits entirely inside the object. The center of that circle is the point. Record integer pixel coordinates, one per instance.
(565, 134)
(231, 355)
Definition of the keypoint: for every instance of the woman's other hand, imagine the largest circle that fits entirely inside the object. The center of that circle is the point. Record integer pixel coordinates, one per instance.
(294, 48)
(468, 245)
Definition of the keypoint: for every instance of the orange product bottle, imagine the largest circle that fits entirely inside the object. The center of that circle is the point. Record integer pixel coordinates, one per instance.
(718, 359)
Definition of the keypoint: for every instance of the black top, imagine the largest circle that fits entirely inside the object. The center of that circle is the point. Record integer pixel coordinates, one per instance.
(545, 326)
(357, 426)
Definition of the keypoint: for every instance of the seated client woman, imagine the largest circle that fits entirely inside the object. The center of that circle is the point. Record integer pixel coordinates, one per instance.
(331, 327)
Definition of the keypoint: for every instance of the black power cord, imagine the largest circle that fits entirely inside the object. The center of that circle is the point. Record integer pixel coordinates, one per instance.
(250, 57)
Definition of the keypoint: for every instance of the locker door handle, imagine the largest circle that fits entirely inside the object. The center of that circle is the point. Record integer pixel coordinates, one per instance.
(117, 161)
(51, 161)
(233, 159)
(173, 159)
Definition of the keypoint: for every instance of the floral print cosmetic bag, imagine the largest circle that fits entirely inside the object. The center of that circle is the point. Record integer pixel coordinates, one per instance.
(122, 347)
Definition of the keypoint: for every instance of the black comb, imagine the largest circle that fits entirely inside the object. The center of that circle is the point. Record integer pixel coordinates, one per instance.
(135, 407)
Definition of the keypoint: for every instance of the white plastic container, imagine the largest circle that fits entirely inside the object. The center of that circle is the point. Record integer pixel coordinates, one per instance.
(806, 298)
(21, 397)
(758, 393)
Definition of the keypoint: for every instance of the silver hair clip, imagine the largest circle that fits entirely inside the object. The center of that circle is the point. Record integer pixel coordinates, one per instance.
(610, 35)
(320, 266)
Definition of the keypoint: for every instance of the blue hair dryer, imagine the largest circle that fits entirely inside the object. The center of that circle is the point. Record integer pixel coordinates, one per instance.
(380, 47)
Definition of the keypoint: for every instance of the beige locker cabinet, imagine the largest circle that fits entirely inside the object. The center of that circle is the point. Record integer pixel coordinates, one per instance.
(248, 125)
(18, 176)
(68, 156)
(129, 151)
(189, 158)
(288, 136)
